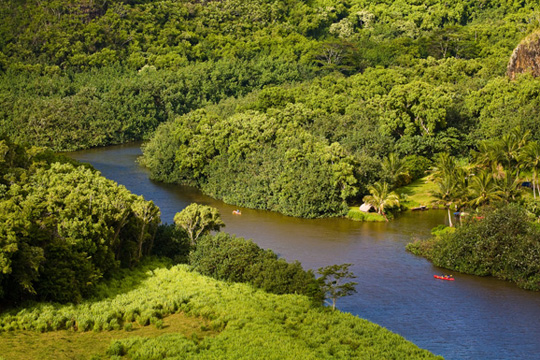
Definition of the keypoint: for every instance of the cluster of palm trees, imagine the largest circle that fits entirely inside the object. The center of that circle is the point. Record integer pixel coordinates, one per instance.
(494, 174)
(394, 172)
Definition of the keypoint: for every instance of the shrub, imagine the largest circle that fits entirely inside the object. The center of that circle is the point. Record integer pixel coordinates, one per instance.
(501, 243)
(226, 257)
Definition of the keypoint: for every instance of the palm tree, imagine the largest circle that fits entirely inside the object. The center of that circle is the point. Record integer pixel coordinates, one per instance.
(530, 157)
(380, 198)
(450, 190)
(484, 189)
(444, 166)
(489, 155)
(511, 146)
(509, 187)
(394, 168)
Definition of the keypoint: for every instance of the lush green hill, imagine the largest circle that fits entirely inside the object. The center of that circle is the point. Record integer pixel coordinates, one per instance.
(227, 321)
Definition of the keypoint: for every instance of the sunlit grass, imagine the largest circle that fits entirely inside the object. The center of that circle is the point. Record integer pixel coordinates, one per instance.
(68, 344)
(357, 215)
(177, 313)
(417, 193)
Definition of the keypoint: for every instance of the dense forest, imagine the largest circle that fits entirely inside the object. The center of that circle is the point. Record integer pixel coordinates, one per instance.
(287, 106)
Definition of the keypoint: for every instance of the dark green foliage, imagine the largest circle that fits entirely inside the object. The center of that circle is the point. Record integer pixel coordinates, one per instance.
(255, 160)
(172, 242)
(417, 166)
(113, 105)
(226, 257)
(504, 244)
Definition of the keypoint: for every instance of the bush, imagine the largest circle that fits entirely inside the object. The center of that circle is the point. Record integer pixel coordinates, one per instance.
(417, 166)
(226, 257)
(501, 243)
(172, 241)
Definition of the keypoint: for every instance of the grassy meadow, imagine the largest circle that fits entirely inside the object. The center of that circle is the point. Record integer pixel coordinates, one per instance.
(173, 313)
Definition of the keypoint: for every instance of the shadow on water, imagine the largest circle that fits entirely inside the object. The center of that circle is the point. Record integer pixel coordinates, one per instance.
(471, 318)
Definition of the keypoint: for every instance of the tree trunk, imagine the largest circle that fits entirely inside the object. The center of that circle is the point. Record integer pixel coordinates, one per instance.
(141, 239)
(450, 218)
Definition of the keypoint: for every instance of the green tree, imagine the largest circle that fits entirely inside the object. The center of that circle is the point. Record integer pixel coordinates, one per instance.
(449, 178)
(444, 166)
(395, 169)
(333, 285)
(449, 191)
(416, 108)
(484, 189)
(381, 197)
(198, 220)
(148, 215)
(530, 158)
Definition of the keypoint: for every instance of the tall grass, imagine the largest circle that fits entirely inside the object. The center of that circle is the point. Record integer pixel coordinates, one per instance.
(251, 323)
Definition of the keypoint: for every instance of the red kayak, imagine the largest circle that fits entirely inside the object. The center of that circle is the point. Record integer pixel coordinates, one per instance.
(444, 277)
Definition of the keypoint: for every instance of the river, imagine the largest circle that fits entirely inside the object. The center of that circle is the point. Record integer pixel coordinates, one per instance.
(470, 318)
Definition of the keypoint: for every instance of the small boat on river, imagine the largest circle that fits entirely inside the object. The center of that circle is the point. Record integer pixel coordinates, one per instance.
(444, 277)
(237, 212)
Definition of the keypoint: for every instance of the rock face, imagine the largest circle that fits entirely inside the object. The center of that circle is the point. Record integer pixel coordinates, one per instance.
(526, 57)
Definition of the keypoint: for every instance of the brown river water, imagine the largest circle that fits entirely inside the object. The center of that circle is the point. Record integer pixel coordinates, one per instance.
(470, 318)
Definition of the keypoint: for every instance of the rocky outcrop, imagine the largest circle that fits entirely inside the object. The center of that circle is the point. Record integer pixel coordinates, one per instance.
(526, 57)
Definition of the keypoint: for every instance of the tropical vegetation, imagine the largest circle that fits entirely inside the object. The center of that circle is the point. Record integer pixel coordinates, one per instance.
(294, 107)
(63, 226)
(500, 242)
(494, 197)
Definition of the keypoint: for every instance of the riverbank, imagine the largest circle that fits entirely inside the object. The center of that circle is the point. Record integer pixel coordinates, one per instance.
(501, 242)
(416, 195)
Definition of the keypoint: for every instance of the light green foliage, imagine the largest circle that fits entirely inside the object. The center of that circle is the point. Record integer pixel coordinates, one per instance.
(252, 323)
(198, 220)
(416, 108)
(380, 198)
(357, 215)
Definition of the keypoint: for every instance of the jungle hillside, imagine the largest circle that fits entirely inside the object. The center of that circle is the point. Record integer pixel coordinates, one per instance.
(285, 106)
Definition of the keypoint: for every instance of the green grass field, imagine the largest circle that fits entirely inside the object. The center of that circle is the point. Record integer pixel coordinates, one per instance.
(417, 193)
(178, 314)
(76, 345)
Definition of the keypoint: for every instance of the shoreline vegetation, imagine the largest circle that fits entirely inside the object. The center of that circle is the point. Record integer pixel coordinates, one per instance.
(300, 110)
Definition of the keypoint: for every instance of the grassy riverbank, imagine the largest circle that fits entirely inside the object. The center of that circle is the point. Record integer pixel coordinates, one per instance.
(357, 215)
(417, 193)
(174, 312)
